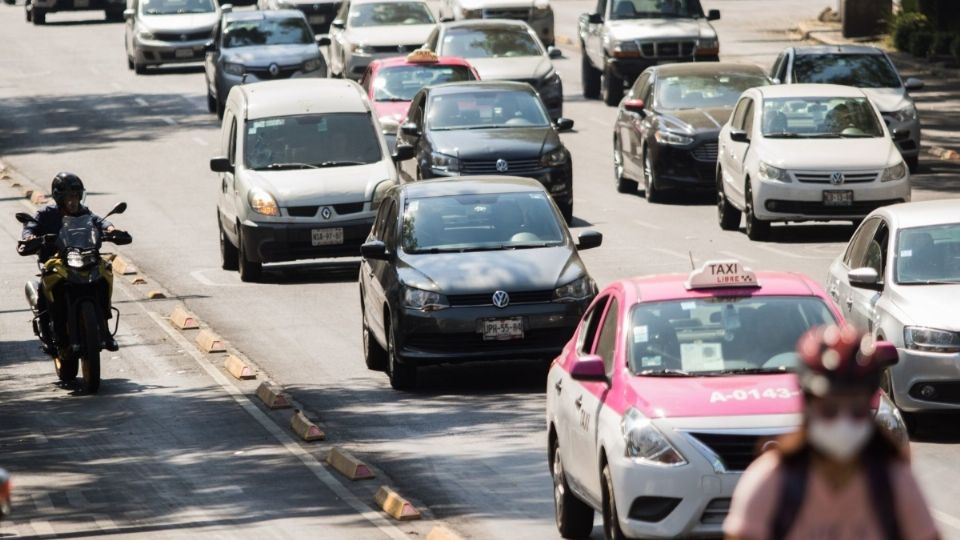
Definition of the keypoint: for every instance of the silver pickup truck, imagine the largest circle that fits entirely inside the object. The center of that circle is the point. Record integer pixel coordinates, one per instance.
(624, 37)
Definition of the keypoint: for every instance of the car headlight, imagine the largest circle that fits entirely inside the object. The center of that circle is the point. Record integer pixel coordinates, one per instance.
(312, 65)
(74, 259)
(645, 443)
(769, 172)
(897, 172)
(471, 13)
(554, 158)
(423, 300)
(889, 420)
(443, 162)
(906, 114)
(708, 46)
(145, 35)
(359, 48)
(671, 138)
(576, 290)
(924, 339)
(625, 49)
(262, 202)
(233, 68)
(379, 192)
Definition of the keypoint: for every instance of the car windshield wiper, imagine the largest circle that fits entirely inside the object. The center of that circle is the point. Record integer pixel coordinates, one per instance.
(857, 136)
(532, 246)
(391, 100)
(665, 373)
(285, 166)
(745, 371)
(782, 135)
(821, 136)
(337, 163)
(932, 282)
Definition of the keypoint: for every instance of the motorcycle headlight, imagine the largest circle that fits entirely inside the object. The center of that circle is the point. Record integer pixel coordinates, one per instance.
(554, 158)
(443, 162)
(626, 49)
(262, 202)
(646, 444)
(576, 290)
(359, 48)
(233, 68)
(423, 300)
(145, 35)
(897, 172)
(889, 420)
(74, 259)
(671, 138)
(924, 339)
(379, 192)
(769, 172)
(906, 114)
(312, 65)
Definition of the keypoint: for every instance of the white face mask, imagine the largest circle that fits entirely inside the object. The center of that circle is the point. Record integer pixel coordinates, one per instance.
(840, 438)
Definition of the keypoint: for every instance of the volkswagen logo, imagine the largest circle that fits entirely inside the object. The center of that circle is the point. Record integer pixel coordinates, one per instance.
(501, 299)
(772, 444)
(837, 178)
(326, 212)
(502, 166)
(401, 49)
(274, 70)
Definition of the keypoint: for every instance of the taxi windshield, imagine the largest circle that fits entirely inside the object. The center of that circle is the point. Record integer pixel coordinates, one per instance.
(721, 335)
(821, 118)
(401, 83)
(390, 14)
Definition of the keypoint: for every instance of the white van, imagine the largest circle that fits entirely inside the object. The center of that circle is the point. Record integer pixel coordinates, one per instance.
(303, 168)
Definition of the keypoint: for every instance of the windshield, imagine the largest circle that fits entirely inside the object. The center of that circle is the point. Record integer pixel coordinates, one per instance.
(718, 335)
(490, 43)
(389, 14)
(79, 232)
(704, 91)
(311, 140)
(174, 7)
(861, 70)
(928, 255)
(485, 110)
(655, 9)
(480, 222)
(267, 32)
(819, 118)
(401, 83)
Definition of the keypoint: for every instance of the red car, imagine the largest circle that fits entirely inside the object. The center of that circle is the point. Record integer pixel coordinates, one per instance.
(391, 83)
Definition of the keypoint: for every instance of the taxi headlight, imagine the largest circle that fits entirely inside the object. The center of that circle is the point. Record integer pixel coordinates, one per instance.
(443, 162)
(262, 203)
(423, 300)
(312, 65)
(379, 192)
(919, 338)
(74, 259)
(769, 172)
(145, 35)
(554, 158)
(906, 114)
(897, 172)
(671, 138)
(646, 444)
(233, 68)
(889, 420)
(576, 290)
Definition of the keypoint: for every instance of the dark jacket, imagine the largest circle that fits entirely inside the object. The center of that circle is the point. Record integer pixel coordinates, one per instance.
(48, 220)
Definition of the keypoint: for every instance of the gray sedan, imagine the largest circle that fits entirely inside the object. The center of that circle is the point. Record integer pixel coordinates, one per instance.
(168, 31)
(469, 269)
(899, 279)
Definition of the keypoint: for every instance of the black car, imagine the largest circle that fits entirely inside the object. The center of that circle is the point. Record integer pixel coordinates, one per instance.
(491, 127)
(668, 124)
(471, 269)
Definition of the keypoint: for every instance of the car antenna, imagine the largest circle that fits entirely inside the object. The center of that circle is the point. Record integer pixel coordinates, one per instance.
(692, 266)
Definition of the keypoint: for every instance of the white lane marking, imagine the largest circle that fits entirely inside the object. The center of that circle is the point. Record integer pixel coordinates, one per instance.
(200, 141)
(169, 120)
(737, 256)
(778, 251)
(104, 523)
(42, 528)
(142, 102)
(281, 436)
(945, 518)
(672, 253)
(650, 226)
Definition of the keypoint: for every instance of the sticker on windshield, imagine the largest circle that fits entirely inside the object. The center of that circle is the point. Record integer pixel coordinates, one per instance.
(651, 361)
(701, 357)
(264, 123)
(906, 253)
(641, 334)
(687, 306)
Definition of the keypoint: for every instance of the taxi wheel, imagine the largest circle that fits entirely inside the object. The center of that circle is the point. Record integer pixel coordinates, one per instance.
(574, 517)
(590, 77)
(624, 184)
(402, 376)
(250, 271)
(650, 189)
(611, 520)
(757, 229)
(727, 214)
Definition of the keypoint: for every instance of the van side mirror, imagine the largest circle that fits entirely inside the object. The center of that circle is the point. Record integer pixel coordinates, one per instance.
(564, 124)
(221, 165)
(403, 152)
(595, 18)
(739, 135)
(375, 250)
(589, 239)
(589, 368)
(864, 278)
(713, 15)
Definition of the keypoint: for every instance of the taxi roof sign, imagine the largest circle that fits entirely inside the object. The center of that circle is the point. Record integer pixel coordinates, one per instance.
(423, 56)
(724, 273)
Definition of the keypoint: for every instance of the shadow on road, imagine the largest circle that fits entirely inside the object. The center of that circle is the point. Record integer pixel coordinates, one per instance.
(313, 272)
(938, 428)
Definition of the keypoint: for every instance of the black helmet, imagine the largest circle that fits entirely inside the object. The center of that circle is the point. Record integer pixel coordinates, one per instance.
(63, 183)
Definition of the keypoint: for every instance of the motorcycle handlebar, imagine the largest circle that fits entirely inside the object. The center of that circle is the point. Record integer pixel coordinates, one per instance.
(121, 238)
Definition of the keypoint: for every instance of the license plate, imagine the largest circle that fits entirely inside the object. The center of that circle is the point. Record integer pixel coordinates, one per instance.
(838, 198)
(326, 237)
(184, 53)
(317, 19)
(502, 329)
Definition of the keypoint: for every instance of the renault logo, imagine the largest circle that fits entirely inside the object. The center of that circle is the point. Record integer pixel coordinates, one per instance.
(326, 212)
(274, 70)
(501, 299)
(837, 178)
(184, 37)
(502, 166)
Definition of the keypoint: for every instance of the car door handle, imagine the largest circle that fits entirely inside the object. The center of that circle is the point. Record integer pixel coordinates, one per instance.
(849, 302)
(579, 402)
(558, 386)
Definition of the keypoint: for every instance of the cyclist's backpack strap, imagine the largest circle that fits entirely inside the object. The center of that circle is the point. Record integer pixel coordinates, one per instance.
(882, 496)
(795, 470)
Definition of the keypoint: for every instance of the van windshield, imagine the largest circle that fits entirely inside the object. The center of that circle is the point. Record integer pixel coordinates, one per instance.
(311, 141)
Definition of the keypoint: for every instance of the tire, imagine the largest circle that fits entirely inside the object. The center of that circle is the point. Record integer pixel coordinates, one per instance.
(373, 354)
(229, 256)
(913, 163)
(90, 326)
(612, 87)
(211, 102)
(727, 214)
(130, 63)
(574, 517)
(611, 520)
(911, 420)
(402, 376)
(650, 188)
(566, 210)
(28, 13)
(38, 17)
(589, 77)
(66, 367)
(113, 16)
(139, 68)
(624, 184)
(250, 271)
(757, 230)
(221, 108)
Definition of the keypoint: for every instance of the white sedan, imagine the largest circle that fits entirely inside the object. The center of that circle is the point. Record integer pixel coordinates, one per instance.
(805, 152)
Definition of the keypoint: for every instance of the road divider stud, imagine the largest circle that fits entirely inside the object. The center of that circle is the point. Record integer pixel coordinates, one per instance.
(156, 295)
(394, 505)
(344, 463)
(442, 533)
(210, 342)
(138, 280)
(183, 319)
(273, 396)
(38, 198)
(123, 267)
(238, 368)
(306, 429)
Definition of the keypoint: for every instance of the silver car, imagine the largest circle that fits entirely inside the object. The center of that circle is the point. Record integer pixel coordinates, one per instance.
(319, 13)
(537, 13)
(899, 279)
(251, 46)
(168, 31)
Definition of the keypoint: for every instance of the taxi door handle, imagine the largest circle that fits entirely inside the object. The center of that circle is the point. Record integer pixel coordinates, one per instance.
(849, 302)
(578, 402)
(558, 386)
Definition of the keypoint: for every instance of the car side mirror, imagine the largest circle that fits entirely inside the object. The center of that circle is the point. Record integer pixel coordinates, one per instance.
(901, 133)
(634, 105)
(226, 8)
(403, 152)
(913, 84)
(864, 278)
(885, 353)
(564, 124)
(446, 19)
(210, 46)
(375, 250)
(323, 41)
(589, 368)
(120, 208)
(739, 135)
(595, 18)
(589, 239)
(410, 129)
(554, 52)
(713, 15)
(24, 217)
(221, 165)
(128, 14)
(338, 23)
(775, 80)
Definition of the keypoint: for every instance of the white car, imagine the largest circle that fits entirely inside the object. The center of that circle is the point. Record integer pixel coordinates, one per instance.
(899, 279)
(537, 13)
(805, 152)
(365, 30)
(303, 169)
(168, 31)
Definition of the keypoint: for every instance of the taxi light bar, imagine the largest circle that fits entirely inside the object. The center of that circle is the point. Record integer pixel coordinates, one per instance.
(725, 273)
(423, 56)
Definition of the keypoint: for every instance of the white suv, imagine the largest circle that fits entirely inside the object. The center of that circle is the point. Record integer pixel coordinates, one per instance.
(303, 171)
(805, 152)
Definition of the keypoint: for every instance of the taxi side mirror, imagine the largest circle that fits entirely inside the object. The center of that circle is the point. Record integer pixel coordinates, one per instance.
(589, 368)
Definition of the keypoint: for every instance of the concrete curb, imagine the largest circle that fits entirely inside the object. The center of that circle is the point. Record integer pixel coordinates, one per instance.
(273, 396)
(210, 342)
(183, 319)
(304, 428)
(238, 368)
(394, 505)
(123, 267)
(943, 153)
(344, 463)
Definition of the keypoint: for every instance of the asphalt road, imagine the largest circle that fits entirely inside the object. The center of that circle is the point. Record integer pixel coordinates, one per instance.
(470, 445)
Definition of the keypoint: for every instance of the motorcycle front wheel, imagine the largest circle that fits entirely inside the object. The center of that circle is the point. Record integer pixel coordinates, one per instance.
(66, 367)
(90, 341)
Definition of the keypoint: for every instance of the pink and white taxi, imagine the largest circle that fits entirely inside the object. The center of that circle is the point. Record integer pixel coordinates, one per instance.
(669, 388)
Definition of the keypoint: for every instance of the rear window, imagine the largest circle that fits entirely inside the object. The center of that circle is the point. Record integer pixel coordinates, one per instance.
(860, 70)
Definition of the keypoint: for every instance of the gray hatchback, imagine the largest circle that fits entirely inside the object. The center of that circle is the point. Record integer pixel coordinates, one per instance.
(467, 269)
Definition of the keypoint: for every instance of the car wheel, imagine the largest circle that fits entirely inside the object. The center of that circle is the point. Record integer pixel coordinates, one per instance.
(114, 15)
(38, 17)
(28, 12)
(911, 420)
(250, 271)
(373, 354)
(229, 255)
(611, 520)
(757, 229)
(566, 210)
(650, 188)
(211, 101)
(612, 87)
(913, 163)
(402, 376)
(727, 214)
(221, 108)
(139, 68)
(590, 78)
(574, 517)
(624, 184)
(130, 63)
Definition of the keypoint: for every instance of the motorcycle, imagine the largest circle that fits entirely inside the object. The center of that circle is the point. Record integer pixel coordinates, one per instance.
(77, 289)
